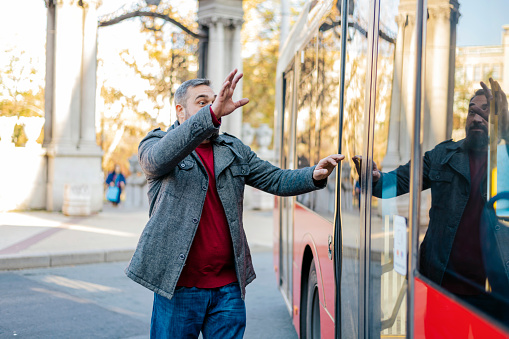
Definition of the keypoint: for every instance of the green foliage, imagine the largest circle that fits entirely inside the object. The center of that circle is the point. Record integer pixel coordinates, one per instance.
(260, 42)
(19, 93)
(173, 59)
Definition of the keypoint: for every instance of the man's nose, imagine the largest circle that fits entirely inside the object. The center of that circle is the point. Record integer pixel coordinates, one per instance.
(478, 118)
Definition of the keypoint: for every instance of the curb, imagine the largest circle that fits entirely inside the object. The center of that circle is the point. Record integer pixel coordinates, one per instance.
(41, 260)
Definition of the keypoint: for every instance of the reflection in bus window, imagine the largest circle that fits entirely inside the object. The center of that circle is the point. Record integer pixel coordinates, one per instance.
(326, 138)
(461, 250)
(452, 253)
(305, 112)
(456, 173)
(352, 143)
(387, 288)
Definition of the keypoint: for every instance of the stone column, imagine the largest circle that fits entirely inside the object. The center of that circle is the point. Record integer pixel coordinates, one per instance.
(407, 104)
(393, 158)
(235, 120)
(440, 82)
(66, 89)
(89, 81)
(224, 20)
(73, 158)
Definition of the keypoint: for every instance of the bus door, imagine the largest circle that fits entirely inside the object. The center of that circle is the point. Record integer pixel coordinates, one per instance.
(386, 216)
(286, 203)
(463, 271)
(372, 286)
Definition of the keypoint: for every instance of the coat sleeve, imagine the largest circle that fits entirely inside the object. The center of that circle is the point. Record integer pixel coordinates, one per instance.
(397, 182)
(159, 155)
(272, 179)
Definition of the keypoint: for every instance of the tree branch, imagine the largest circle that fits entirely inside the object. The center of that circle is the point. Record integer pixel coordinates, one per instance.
(154, 15)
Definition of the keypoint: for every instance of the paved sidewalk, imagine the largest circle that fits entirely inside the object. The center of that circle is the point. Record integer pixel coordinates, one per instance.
(45, 239)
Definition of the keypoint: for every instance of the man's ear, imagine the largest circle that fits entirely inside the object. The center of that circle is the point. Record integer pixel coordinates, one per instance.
(180, 113)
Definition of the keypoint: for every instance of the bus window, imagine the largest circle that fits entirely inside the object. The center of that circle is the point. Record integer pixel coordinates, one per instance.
(305, 112)
(464, 252)
(386, 307)
(352, 144)
(327, 134)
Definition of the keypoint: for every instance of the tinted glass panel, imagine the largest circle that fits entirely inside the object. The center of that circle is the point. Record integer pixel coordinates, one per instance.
(387, 287)
(352, 144)
(306, 112)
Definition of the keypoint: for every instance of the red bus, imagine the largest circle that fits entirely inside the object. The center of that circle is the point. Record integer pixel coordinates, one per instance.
(392, 81)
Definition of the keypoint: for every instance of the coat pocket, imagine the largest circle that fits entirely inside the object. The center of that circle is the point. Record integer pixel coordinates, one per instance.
(438, 175)
(239, 170)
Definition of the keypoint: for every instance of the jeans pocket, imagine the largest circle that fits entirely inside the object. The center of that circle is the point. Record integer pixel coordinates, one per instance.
(179, 288)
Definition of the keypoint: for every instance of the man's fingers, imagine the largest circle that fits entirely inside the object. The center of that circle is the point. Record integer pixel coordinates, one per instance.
(241, 102)
(338, 157)
(487, 91)
(236, 80)
(230, 76)
(222, 91)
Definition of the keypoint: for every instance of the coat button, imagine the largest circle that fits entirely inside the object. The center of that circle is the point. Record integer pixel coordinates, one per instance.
(181, 256)
(195, 220)
(243, 171)
(437, 177)
(195, 125)
(497, 228)
(507, 263)
(204, 187)
(182, 165)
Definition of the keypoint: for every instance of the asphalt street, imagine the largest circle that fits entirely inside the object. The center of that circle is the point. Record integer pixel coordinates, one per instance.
(99, 301)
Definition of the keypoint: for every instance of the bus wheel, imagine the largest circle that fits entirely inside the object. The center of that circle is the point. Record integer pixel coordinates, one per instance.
(312, 305)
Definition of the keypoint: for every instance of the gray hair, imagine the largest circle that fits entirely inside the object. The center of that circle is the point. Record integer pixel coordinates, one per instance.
(181, 93)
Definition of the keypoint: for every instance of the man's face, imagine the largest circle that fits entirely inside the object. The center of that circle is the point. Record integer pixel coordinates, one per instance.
(197, 98)
(477, 122)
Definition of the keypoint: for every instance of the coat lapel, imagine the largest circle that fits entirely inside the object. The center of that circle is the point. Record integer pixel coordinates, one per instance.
(223, 155)
(458, 160)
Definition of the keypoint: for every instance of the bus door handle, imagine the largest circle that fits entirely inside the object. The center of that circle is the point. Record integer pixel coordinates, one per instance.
(329, 246)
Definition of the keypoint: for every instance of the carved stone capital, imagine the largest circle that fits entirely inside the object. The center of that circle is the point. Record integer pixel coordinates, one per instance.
(444, 12)
(226, 22)
(402, 19)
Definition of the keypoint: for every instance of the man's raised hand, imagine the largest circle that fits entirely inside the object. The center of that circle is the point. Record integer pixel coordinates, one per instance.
(224, 104)
(357, 160)
(325, 166)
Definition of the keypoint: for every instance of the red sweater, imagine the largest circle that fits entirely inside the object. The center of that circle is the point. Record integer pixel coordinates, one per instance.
(465, 259)
(210, 262)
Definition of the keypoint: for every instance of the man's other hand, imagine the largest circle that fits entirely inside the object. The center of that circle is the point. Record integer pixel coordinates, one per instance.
(224, 104)
(325, 166)
(357, 159)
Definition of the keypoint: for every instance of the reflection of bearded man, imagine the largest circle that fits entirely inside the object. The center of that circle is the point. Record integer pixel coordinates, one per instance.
(477, 121)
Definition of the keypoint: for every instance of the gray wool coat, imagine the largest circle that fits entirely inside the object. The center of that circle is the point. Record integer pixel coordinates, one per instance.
(178, 184)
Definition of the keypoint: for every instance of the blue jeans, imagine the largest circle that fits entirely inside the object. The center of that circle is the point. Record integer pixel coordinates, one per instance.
(216, 312)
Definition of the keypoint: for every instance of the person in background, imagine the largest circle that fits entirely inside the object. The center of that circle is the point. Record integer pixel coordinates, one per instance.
(116, 179)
